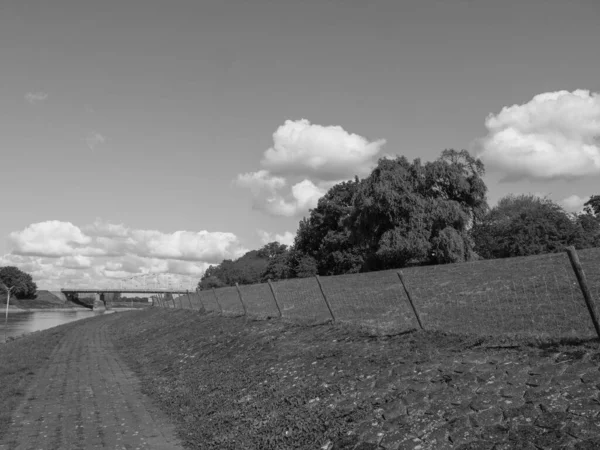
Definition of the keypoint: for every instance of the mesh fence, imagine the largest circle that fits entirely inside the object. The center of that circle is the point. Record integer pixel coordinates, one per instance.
(301, 299)
(209, 301)
(259, 301)
(372, 300)
(229, 300)
(529, 296)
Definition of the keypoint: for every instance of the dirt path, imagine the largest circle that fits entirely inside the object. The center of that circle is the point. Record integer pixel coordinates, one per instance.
(86, 398)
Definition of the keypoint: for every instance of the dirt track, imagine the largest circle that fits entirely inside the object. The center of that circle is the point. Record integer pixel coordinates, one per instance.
(86, 398)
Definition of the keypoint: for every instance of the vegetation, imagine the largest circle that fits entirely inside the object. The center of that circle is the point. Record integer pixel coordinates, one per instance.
(406, 214)
(528, 225)
(21, 283)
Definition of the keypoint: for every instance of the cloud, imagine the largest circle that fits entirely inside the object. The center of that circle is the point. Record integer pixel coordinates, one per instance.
(321, 152)
(76, 262)
(555, 135)
(260, 182)
(34, 97)
(51, 238)
(286, 238)
(574, 203)
(310, 159)
(93, 139)
(59, 253)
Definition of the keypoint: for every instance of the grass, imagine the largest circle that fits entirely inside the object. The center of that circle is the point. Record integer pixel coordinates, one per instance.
(44, 300)
(231, 382)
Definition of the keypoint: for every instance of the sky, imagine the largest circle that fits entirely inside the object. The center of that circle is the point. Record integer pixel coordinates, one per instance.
(159, 137)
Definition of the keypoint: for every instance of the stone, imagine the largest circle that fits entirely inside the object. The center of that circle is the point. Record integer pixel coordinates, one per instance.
(491, 416)
(482, 402)
(494, 433)
(586, 407)
(394, 410)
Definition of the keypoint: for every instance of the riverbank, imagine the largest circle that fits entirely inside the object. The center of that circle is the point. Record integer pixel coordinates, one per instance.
(12, 309)
(231, 383)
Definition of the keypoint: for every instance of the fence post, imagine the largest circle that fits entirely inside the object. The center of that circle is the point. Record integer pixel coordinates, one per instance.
(217, 299)
(187, 293)
(410, 299)
(585, 290)
(200, 300)
(274, 297)
(325, 297)
(241, 299)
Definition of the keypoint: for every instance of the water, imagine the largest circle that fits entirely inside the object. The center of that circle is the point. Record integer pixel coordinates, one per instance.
(27, 322)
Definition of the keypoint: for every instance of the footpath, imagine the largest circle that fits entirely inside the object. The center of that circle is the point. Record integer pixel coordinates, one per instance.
(86, 398)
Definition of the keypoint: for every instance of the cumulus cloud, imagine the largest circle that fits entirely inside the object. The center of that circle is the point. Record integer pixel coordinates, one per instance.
(56, 239)
(60, 253)
(76, 262)
(51, 238)
(322, 152)
(260, 182)
(34, 97)
(308, 158)
(93, 139)
(574, 203)
(555, 135)
(286, 238)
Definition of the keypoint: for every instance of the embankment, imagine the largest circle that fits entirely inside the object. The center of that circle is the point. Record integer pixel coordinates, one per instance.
(44, 300)
(231, 383)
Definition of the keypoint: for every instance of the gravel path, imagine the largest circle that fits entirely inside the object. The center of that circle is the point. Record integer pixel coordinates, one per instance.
(86, 398)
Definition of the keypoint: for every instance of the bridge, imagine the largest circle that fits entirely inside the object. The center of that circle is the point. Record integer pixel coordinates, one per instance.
(163, 286)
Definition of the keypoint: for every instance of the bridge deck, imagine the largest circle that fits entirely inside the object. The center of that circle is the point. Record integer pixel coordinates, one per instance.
(124, 291)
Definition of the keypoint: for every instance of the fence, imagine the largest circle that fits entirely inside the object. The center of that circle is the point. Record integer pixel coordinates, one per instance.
(526, 296)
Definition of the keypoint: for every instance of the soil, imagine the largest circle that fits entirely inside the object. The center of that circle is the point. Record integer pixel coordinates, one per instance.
(233, 383)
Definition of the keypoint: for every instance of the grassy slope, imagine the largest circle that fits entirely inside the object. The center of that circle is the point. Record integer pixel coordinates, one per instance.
(233, 383)
(43, 300)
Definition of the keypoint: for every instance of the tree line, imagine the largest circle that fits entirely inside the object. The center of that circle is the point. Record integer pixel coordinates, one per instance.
(413, 213)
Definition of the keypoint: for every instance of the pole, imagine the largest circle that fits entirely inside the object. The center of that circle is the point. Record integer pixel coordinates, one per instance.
(217, 299)
(200, 300)
(187, 293)
(241, 300)
(585, 290)
(410, 299)
(6, 314)
(274, 297)
(325, 297)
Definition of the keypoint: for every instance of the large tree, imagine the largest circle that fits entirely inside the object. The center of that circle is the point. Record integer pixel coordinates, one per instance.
(21, 283)
(524, 225)
(409, 212)
(402, 212)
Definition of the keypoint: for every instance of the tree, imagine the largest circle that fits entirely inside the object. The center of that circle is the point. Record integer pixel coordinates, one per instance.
(592, 206)
(21, 282)
(325, 234)
(400, 211)
(290, 264)
(248, 269)
(524, 225)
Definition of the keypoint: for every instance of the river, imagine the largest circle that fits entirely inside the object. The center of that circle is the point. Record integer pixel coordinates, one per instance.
(26, 322)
